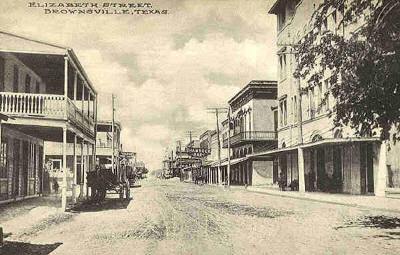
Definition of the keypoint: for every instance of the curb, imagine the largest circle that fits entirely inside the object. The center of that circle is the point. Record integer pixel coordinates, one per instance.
(323, 201)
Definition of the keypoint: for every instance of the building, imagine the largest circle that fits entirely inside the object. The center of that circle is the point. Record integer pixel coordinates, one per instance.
(49, 98)
(312, 152)
(253, 129)
(104, 148)
(214, 169)
(189, 161)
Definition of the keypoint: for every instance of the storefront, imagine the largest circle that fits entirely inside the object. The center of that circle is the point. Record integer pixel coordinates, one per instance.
(21, 165)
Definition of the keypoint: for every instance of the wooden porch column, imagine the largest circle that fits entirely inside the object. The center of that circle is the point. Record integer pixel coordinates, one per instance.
(84, 157)
(75, 85)
(300, 158)
(83, 97)
(64, 167)
(82, 172)
(75, 178)
(87, 169)
(88, 104)
(66, 85)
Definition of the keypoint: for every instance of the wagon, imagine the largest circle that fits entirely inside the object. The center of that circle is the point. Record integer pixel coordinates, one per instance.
(104, 180)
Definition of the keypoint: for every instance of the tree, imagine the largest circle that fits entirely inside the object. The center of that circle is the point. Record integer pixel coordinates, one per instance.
(364, 65)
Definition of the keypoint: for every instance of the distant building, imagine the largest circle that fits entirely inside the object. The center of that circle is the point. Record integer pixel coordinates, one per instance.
(253, 121)
(104, 141)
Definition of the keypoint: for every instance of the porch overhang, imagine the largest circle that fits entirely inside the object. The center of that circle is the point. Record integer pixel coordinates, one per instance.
(324, 142)
(23, 47)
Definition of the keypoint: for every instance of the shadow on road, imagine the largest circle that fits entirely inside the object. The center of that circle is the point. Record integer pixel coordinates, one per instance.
(21, 248)
(107, 204)
(14, 209)
(379, 222)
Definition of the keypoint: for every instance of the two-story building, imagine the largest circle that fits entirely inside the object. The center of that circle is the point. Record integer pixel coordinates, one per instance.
(104, 142)
(313, 152)
(252, 130)
(48, 96)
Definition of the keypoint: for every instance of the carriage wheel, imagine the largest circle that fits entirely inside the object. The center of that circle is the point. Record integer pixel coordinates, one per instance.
(102, 195)
(121, 192)
(94, 194)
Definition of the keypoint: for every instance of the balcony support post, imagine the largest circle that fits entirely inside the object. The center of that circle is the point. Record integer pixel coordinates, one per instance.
(66, 85)
(88, 104)
(64, 167)
(75, 85)
(75, 179)
(83, 97)
(82, 172)
(87, 169)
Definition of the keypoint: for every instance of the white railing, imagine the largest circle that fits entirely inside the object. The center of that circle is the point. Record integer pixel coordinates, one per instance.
(32, 104)
(75, 113)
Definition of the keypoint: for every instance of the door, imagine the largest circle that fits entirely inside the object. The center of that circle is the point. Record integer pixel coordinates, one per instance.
(2, 69)
(283, 167)
(25, 159)
(366, 168)
(337, 183)
(40, 169)
(16, 164)
(321, 176)
(370, 168)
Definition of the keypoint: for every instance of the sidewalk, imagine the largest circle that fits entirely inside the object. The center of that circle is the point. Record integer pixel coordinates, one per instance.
(369, 202)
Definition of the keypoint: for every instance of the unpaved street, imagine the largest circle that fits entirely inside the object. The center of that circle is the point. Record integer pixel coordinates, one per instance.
(169, 217)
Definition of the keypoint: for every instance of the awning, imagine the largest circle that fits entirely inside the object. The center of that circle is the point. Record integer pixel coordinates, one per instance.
(235, 161)
(329, 141)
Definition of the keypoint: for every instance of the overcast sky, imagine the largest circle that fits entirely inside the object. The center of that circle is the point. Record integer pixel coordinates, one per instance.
(164, 69)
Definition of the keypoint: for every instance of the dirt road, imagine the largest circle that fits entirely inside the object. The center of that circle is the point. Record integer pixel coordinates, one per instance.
(169, 217)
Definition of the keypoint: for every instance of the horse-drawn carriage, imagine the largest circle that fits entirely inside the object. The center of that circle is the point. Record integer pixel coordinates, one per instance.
(104, 179)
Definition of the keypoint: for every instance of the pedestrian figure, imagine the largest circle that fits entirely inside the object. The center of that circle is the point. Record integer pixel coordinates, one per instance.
(55, 185)
(282, 181)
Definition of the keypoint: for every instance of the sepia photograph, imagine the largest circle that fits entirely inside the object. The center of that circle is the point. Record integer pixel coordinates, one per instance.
(199, 127)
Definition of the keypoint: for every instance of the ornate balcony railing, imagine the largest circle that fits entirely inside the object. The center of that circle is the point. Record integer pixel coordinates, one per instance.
(43, 105)
(250, 136)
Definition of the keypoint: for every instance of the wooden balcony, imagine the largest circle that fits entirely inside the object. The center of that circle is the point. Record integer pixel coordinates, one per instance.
(44, 106)
(250, 136)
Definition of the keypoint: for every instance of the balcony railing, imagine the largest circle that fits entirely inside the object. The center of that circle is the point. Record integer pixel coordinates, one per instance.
(43, 105)
(32, 104)
(250, 136)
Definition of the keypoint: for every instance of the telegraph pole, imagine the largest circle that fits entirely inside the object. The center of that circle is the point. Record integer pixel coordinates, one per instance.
(112, 136)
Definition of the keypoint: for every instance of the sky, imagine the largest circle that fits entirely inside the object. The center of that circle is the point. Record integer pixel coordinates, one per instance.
(165, 70)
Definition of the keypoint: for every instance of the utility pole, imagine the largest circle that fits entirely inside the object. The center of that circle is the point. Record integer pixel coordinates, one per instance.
(112, 136)
(217, 111)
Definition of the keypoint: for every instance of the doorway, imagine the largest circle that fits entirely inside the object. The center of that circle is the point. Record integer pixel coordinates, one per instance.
(25, 159)
(366, 168)
(16, 170)
(321, 175)
(337, 182)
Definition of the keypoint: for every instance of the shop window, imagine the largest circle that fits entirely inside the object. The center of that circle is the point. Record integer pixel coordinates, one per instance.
(16, 78)
(27, 83)
(2, 71)
(37, 87)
